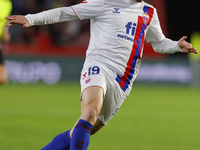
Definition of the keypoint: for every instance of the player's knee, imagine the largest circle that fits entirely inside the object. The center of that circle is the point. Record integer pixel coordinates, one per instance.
(90, 115)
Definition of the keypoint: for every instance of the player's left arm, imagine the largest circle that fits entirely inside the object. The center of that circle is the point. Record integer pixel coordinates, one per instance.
(169, 47)
(185, 46)
(161, 44)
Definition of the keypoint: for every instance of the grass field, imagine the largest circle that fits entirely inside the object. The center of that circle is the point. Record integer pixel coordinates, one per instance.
(152, 118)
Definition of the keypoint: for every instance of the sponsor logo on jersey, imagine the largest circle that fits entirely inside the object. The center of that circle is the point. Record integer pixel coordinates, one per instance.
(126, 38)
(130, 30)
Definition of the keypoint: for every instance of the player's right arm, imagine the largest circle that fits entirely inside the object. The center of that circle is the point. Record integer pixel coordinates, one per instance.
(85, 10)
(17, 19)
(45, 17)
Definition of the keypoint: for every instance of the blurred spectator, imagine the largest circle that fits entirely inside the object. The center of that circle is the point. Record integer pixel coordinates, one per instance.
(195, 60)
(5, 10)
(71, 32)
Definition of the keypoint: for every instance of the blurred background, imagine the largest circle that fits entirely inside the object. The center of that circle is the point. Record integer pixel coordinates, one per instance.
(55, 53)
(161, 113)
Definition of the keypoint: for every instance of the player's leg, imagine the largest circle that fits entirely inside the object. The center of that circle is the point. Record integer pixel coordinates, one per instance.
(60, 142)
(3, 71)
(93, 87)
(97, 126)
(92, 100)
(91, 103)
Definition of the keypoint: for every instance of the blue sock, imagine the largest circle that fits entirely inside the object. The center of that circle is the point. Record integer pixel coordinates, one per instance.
(60, 142)
(81, 136)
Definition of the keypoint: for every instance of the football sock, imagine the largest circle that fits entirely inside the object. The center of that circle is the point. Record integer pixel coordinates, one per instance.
(81, 136)
(60, 142)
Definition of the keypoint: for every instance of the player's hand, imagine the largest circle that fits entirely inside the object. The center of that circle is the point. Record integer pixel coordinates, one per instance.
(17, 19)
(185, 46)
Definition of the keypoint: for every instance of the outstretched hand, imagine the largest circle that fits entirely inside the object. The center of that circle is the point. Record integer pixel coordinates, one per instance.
(185, 46)
(17, 19)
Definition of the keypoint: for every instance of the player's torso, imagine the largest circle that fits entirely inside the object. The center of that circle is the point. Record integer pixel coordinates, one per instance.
(114, 33)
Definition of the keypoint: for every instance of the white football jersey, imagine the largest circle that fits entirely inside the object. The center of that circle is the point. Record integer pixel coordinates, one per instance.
(118, 32)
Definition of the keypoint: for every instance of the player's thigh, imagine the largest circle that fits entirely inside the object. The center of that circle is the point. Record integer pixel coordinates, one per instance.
(92, 99)
(93, 88)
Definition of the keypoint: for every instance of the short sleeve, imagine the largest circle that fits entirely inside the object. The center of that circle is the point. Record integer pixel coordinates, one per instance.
(88, 9)
(154, 33)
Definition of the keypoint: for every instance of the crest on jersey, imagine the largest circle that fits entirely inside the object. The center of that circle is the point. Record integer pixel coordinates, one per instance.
(145, 18)
(88, 80)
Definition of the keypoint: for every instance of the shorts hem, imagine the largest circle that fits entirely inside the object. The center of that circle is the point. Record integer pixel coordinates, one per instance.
(103, 122)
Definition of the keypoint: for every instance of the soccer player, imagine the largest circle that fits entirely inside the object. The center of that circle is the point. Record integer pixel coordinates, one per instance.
(118, 31)
(5, 9)
(195, 61)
